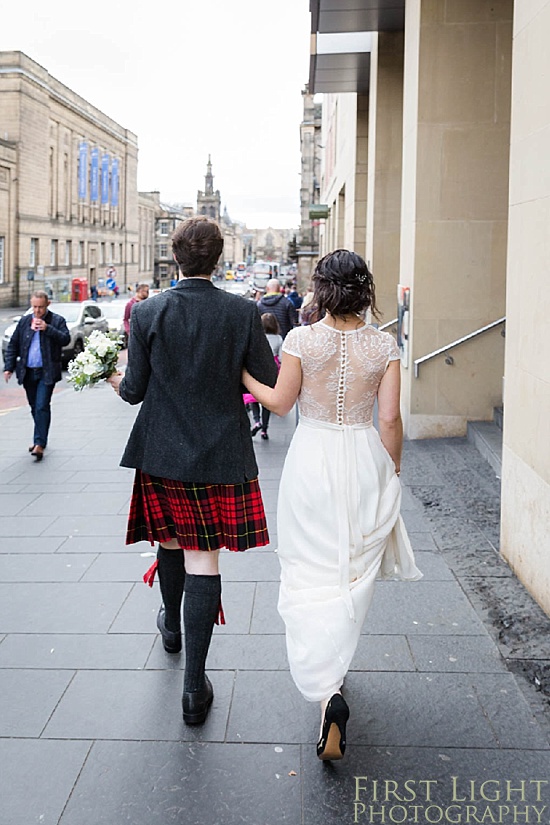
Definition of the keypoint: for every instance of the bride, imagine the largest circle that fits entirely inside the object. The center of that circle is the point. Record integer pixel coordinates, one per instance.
(338, 518)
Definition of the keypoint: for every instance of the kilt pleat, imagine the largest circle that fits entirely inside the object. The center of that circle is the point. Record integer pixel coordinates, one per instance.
(199, 516)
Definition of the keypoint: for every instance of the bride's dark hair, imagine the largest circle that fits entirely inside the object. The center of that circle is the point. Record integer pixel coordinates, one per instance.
(343, 285)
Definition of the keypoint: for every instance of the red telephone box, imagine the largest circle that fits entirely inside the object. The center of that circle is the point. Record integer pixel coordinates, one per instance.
(79, 291)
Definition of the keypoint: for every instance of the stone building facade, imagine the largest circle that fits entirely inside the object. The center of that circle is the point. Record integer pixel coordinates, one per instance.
(68, 187)
(168, 218)
(436, 162)
(310, 187)
(148, 209)
(271, 244)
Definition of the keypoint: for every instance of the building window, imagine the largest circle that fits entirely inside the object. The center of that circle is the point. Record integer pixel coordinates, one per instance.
(2, 246)
(120, 252)
(163, 250)
(80, 253)
(53, 253)
(164, 227)
(68, 253)
(33, 254)
(102, 253)
(112, 259)
(132, 253)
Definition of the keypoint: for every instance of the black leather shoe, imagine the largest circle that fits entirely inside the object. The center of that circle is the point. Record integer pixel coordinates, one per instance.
(170, 639)
(197, 704)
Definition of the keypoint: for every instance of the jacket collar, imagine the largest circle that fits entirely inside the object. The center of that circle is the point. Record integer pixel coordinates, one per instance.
(194, 283)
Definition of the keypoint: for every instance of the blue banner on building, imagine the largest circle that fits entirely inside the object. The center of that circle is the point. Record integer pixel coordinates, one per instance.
(94, 175)
(114, 182)
(82, 170)
(105, 179)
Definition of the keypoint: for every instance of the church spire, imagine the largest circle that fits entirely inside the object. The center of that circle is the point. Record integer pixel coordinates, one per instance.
(209, 179)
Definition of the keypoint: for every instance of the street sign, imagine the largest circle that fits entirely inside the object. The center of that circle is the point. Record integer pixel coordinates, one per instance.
(318, 211)
(110, 283)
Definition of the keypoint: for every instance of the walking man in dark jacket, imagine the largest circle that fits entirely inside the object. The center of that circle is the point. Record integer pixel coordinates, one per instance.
(34, 353)
(278, 304)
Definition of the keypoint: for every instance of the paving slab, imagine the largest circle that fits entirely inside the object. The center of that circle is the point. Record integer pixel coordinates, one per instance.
(29, 698)
(13, 526)
(39, 567)
(76, 651)
(456, 654)
(384, 652)
(369, 786)
(424, 607)
(253, 565)
(75, 503)
(86, 525)
(60, 607)
(30, 544)
(54, 768)
(123, 707)
(103, 544)
(155, 783)
(441, 684)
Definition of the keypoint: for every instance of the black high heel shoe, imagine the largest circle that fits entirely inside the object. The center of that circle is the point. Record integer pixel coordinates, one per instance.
(332, 744)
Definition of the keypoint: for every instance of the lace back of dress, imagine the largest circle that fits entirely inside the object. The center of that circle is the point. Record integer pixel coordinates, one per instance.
(342, 372)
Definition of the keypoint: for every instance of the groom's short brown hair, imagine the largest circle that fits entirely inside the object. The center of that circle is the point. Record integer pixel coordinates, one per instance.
(197, 244)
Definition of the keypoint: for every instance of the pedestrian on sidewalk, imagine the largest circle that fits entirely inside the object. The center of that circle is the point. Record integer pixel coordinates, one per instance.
(339, 499)
(196, 484)
(277, 303)
(142, 292)
(261, 414)
(34, 352)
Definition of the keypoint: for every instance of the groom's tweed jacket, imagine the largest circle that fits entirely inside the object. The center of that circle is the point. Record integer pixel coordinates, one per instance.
(187, 348)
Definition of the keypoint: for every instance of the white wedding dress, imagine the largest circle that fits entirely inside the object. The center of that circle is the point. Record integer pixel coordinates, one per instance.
(338, 518)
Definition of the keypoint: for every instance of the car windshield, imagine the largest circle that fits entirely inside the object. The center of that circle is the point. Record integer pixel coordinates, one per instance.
(114, 310)
(70, 312)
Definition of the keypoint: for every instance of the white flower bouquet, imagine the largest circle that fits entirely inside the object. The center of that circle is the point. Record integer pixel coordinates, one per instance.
(96, 362)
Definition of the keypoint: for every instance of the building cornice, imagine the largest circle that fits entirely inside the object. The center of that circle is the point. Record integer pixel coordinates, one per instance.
(119, 133)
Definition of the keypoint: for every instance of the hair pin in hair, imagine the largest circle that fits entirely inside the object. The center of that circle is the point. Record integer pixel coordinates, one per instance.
(361, 277)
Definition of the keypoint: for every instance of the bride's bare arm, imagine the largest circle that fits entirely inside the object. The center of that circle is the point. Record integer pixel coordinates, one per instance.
(389, 413)
(281, 398)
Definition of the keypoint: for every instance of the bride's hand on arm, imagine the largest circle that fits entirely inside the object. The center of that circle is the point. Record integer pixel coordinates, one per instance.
(282, 397)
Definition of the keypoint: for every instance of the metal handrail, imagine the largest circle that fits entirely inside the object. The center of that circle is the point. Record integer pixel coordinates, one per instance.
(455, 344)
(389, 324)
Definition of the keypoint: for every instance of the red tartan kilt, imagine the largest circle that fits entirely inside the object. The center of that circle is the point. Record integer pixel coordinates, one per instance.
(199, 516)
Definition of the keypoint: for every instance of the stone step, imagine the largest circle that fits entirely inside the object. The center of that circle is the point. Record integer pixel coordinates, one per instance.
(486, 436)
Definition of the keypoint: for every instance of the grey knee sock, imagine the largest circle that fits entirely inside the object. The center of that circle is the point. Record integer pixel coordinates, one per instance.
(200, 611)
(171, 573)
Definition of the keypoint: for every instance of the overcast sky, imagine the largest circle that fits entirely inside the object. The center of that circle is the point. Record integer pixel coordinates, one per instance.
(190, 78)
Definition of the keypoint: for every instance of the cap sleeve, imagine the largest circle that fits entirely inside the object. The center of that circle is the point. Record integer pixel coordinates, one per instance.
(291, 344)
(393, 350)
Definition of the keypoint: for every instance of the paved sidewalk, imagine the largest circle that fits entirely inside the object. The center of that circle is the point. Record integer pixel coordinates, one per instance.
(91, 725)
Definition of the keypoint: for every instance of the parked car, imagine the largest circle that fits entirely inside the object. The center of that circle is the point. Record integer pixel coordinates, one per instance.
(81, 317)
(114, 312)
